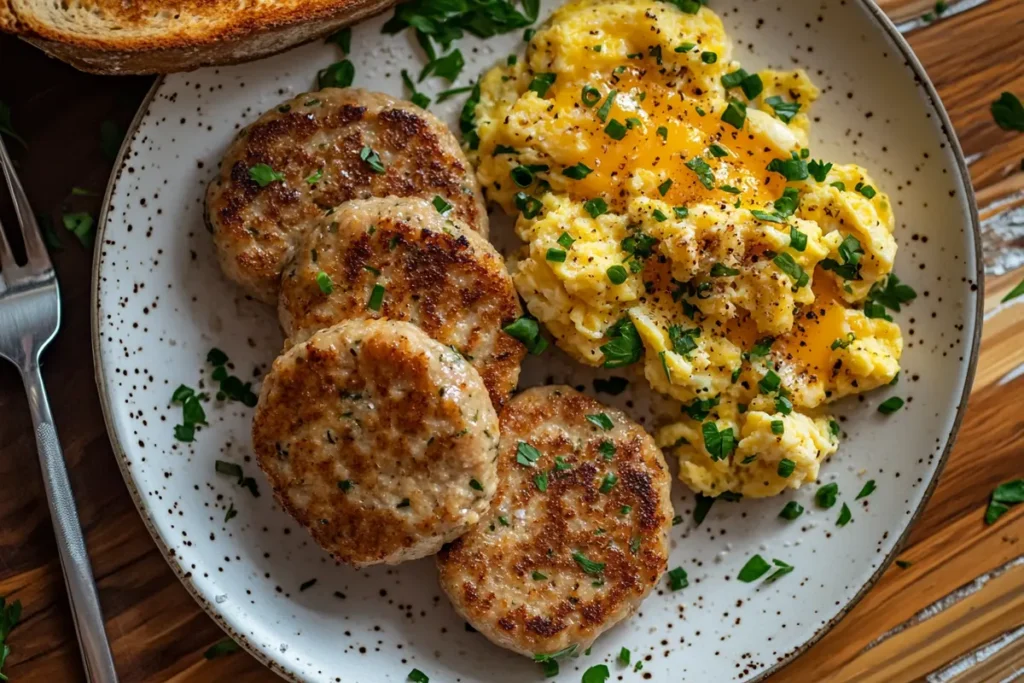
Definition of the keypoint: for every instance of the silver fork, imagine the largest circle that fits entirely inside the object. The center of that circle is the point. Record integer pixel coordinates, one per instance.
(29, 318)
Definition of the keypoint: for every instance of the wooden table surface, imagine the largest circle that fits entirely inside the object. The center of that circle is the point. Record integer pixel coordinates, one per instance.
(957, 611)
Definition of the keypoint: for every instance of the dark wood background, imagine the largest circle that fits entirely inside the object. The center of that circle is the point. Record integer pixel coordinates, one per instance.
(157, 631)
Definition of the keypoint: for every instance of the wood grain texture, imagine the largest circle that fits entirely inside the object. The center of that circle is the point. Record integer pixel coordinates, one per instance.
(159, 634)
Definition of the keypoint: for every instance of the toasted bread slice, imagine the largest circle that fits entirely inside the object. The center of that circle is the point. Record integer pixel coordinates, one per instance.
(151, 36)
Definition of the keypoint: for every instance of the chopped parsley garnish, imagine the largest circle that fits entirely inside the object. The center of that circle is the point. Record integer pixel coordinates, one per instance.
(222, 647)
(718, 443)
(677, 580)
(537, 576)
(625, 510)
(662, 132)
(843, 342)
(792, 510)
(596, 207)
(685, 47)
(770, 382)
(615, 130)
(782, 570)
(1003, 497)
(722, 270)
(541, 82)
(590, 96)
(787, 203)
(682, 340)
(735, 114)
(865, 190)
(372, 159)
(826, 496)
(659, 215)
(664, 187)
(530, 206)
(601, 420)
(891, 293)
(565, 240)
(767, 217)
(703, 171)
(708, 57)
(819, 170)
(790, 267)
(541, 482)
(323, 280)
(589, 566)
(441, 204)
(1008, 112)
(702, 507)
(783, 405)
(452, 92)
(263, 175)
(526, 454)
(417, 98)
(555, 255)
(527, 331)
(476, 485)
(234, 470)
(754, 569)
(750, 83)
(376, 297)
(417, 676)
(596, 674)
(617, 274)
(624, 346)
(778, 427)
(718, 151)
(314, 177)
(701, 408)
(607, 450)
(786, 468)
(337, 75)
(639, 244)
(784, 111)
(797, 239)
(793, 168)
(890, 405)
(608, 483)
(624, 656)
(447, 66)
(680, 211)
(850, 251)
(192, 412)
(844, 515)
(577, 172)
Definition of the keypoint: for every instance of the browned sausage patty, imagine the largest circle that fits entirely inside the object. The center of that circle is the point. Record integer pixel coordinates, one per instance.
(577, 534)
(427, 269)
(305, 157)
(379, 440)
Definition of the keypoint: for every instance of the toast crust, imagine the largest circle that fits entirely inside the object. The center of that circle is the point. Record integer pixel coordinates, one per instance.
(143, 47)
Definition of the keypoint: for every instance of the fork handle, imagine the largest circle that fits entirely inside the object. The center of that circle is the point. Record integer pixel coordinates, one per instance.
(74, 558)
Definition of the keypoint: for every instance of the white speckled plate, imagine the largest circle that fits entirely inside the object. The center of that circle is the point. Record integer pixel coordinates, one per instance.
(161, 304)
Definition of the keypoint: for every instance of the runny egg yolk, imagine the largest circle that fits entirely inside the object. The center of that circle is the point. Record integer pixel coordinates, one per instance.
(664, 131)
(807, 348)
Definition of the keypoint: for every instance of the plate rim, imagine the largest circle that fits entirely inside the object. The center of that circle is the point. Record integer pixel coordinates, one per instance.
(883, 22)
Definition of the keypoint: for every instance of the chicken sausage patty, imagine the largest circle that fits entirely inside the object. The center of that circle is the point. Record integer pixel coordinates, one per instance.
(378, 439)
(399, 258)
(577, 534)
(321, 149)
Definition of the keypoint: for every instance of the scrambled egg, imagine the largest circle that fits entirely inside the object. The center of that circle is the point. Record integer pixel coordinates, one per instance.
(674, 218)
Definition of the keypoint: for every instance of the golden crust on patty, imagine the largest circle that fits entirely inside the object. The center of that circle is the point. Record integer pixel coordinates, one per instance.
(316, 142)
(557, 562)
(378, 439)
(436, 273)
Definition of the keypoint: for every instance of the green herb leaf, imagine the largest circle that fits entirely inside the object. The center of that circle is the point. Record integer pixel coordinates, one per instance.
(541, 83)
(790, 267)
(735, 114)
(1008, 112)
(844, 516)
(541, 481)
(442, 206)
(890, 405)
(995, 511)
(372, 159)
(323, 280)
(721, 270)
(601, 420)
(793, 168)
(792, 510)
(221, 648)
(702, 507)
(526, 454)
(718, 443)
(1015, 292)
(608, 483)
(527, 331)
(337, 75)
(868, 489)
(624, 347)
(1010, 493)
(417, 676)
(784, 111)
(596, 207)
(781, 570)
(617, 274)
(703, 171)
(615, 130)
(596, 674)
(342, 38)
(825, 496)
(819, 170)
(589, 566)
(263, 175)
(754, 569)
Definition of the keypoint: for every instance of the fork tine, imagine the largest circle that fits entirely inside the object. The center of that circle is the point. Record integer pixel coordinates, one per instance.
(38, 259)
(7, 265)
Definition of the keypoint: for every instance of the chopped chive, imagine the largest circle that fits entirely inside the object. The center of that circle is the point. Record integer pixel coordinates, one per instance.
(376, 297)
